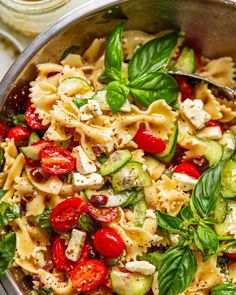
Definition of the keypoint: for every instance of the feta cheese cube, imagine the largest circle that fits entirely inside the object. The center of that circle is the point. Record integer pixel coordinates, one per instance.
(91, 181)
(83, 164)
(213, 132)
(94, 107)
(143, 267)
(193, 110)
(85, 113)
(184, 181)
(150, 214)
(75, 244)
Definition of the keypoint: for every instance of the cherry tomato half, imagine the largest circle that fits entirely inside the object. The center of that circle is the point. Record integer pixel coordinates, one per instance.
(55, 160)
(32, 118)
(58, 254)
(88, 275)
(102, 214)
(185, 88)
(3, 130)
(19, 133)
(188, 168)
(149, 142)
(87, 253)
(108, 243)
(213, 123)
(65, 215)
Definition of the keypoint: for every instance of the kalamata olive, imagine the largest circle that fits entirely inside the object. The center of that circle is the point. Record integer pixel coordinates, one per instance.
(38, 174)
(99, 200)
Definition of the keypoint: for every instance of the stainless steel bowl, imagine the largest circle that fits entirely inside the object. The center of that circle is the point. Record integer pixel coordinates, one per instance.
(209, 24)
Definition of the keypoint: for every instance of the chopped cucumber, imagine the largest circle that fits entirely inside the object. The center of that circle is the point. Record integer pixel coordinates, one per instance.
(131, 175)
(115, 162)
(154, 167)
(220, 211)
(33, 138)
(186, 62)
(140, 209)
(72, 86)
(125, 283)
(222, 229)
(214, 152)
(228, 141)
(229, 180)
(32, 152)
(114, 200)
(169, 152)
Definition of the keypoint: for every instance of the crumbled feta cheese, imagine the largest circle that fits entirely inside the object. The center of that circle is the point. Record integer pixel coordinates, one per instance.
(90, 110)
(83, 164)
(75, 244)
(143, 267)
(174, 239)
(85, 113)
(94, 107)
(91, 181)
(213, 132)
(193, 110)
(184, 181)
(150, 214)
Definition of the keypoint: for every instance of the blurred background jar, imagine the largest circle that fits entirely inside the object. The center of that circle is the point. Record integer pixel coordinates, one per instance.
(31, 17)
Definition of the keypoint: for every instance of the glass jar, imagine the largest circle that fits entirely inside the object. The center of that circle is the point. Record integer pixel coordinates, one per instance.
(32, 17)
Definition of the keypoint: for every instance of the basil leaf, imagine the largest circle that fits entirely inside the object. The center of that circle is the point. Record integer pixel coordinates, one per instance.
(2, 193)
(205, 192)
(186, 213)
(8, 212)
(7, 252)
(153, 86)
(43, 291)
(176, 271)
(224, 289)
(168, 222)
(152, 56)
(209, 241)
(113, 56)
(79, 102)
(19, 120)
(87, 223)
(43, 219)
(73, 49)
(154, 258)
(116, 95)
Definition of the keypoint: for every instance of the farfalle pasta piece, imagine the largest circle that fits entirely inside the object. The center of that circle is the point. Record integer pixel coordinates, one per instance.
(211, 105)
(228, 110)
(195, 147)
(73, 60)
(10, 153)
(95, 50)
(220, 70)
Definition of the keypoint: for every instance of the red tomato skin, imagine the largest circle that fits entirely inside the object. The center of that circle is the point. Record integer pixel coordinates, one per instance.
(88, 275)
(230, 255)
(213, 123)
(55, 160)
(3, 130)
(108, 243)
(87, 253)
(185, 88)
(102, 214)
(188, 168)
(32, 119)
(31, 163)
(58, 255)
(19, 133)
(65, 215)
(149, 142)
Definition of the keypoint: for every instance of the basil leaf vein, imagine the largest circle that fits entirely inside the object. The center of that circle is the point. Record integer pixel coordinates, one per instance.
(168, 222)
(224, 289)
(43, 219)
(116, 95)
(7, 252)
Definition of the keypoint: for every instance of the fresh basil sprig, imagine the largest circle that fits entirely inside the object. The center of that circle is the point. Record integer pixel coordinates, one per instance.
(7, 252)
(8, 212)
(87, 223)
(224, 289)
(2, 193)
(116, 95)
(168, 222)
(43, 219)
(177, 269)
(152, 257)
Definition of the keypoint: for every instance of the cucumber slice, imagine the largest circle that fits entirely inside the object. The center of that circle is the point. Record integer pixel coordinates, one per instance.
(140, 209)
(228, 141)
(213, 152)
(129, 176)
(114, 200)
(155, 167)
(169, 152)
(229, 180)
(72, 86)
(33, 138)
(223, 228)
(220, 211)
(125, 283)
(186, 62)
(32, 152)
(115, 162)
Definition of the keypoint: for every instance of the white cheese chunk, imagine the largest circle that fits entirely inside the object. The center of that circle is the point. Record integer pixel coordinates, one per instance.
(83, 164)
(228, 142)
(85, 113)
(94, 107)
(184, 181)
(213, 132)
(150, 214)
(75, 244)
(193, 110)
(143, 267)
(100, 97)
(91, 181)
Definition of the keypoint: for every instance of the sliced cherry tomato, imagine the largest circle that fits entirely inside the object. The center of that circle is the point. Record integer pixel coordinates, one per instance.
(102, 214)
(58, 254)
(231, 252)
(65, 215)
(108, 243)
(32, 118)
(55, 160)
(149, 142)
(88, 275)
(187, 168)
(213, 123)
(19, 133)
(31, 163)
(87, 253)
(185, 88)
(3, 130)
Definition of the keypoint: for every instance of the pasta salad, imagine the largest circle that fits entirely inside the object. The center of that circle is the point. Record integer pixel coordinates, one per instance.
(118, 178)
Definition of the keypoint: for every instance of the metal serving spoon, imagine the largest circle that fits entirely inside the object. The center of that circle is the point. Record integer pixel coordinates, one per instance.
(229, 92)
